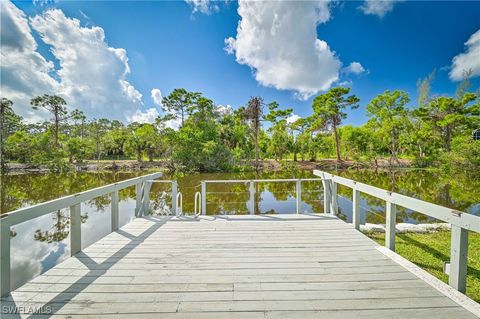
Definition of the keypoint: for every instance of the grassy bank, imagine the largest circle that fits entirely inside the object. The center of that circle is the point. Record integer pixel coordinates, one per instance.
(430, 251)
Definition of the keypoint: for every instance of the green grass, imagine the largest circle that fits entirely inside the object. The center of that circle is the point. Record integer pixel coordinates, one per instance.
(429, 251)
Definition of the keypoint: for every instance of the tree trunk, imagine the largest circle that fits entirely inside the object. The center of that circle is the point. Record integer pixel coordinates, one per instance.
(56, 127)
(337, 142)
(2, 159)
(448, 137)
(256, 150)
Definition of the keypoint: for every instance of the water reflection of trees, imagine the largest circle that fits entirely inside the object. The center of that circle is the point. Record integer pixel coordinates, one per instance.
(60, 229)
(459, 190)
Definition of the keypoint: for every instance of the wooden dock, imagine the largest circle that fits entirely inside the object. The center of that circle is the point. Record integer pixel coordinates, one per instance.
(252, 266)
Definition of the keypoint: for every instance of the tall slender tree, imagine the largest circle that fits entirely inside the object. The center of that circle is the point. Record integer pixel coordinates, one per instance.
(253, 114)
(329, 110)
(55, 105)
(179, 103)
(5, 109)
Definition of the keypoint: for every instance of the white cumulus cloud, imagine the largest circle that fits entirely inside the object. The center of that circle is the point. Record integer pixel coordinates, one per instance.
(278, 40)
(91, 75)
(223, 110)
(469, 60)
(378, 8)
(354, 68)
(24, 72)
(157, 97)
(148, 116)
(293, 118)
(203, 6)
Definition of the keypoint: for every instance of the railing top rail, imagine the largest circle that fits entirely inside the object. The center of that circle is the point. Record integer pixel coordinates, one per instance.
(160, 181)
(24, 214)
(451, 216)
(261, 180)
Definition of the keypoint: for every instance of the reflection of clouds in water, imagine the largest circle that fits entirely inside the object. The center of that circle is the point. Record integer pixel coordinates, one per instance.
(98, 224)
(28, 256)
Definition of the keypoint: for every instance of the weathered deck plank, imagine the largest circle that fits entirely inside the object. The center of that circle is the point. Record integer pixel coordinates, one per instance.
(234, 267)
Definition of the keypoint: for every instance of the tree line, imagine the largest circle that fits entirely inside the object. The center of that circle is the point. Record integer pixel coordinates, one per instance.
(437, 130)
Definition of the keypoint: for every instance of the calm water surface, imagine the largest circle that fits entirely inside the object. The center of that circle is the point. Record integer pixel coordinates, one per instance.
(39, 244)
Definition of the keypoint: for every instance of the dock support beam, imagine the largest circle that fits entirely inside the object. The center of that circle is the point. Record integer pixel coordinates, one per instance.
(391, 216)
(204, 197)
(115, 211)
(458, 259)
(75, 229)
(299, 195)
(356, 209)
(4, 256)
(251, 205)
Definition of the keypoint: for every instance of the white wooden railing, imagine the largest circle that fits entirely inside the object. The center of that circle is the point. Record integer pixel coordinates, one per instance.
(142, 186)
(461, 223)
(251, 182)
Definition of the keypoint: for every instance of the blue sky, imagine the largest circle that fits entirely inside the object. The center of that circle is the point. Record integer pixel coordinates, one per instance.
(170, 45)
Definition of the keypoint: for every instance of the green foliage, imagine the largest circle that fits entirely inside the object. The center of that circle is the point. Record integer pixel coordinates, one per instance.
(436, 132)
(329, 110)
(388, 116)
(197, 146)
(19, 146)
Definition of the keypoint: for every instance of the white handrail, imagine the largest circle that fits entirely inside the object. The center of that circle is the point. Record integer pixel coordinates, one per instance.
(179, 202)
(251, 190)
(197, 204)
(74, 203)
(461, 222)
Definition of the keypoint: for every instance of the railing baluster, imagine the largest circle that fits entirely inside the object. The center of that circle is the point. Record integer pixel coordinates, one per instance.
(114, 211)
(334, 201)
(391, 216)
(458, 258)
(356, 209)
(204, 198)
(75, 229)
(138, 197)
(251, 206)
(5, 256)
(326, 196)
(174, 197)
(299, 195)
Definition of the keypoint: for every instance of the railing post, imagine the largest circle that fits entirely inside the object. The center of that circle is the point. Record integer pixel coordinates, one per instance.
(146, 197)
(326, 196)
(204, 197)
(334, 201)
(75, 229)
(251, 206)
(138, 196)
(391, 216)
(114, 211)
(458, 258)
(174, 197)
(4, 256)
(299, 195)
(356, 209)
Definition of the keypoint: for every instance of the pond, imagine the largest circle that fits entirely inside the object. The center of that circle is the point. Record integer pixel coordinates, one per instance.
(39, 244)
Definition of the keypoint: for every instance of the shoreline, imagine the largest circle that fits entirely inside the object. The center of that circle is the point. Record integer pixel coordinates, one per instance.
(265, 165)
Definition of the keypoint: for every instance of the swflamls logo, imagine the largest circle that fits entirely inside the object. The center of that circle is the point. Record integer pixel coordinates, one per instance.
(31, 310)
